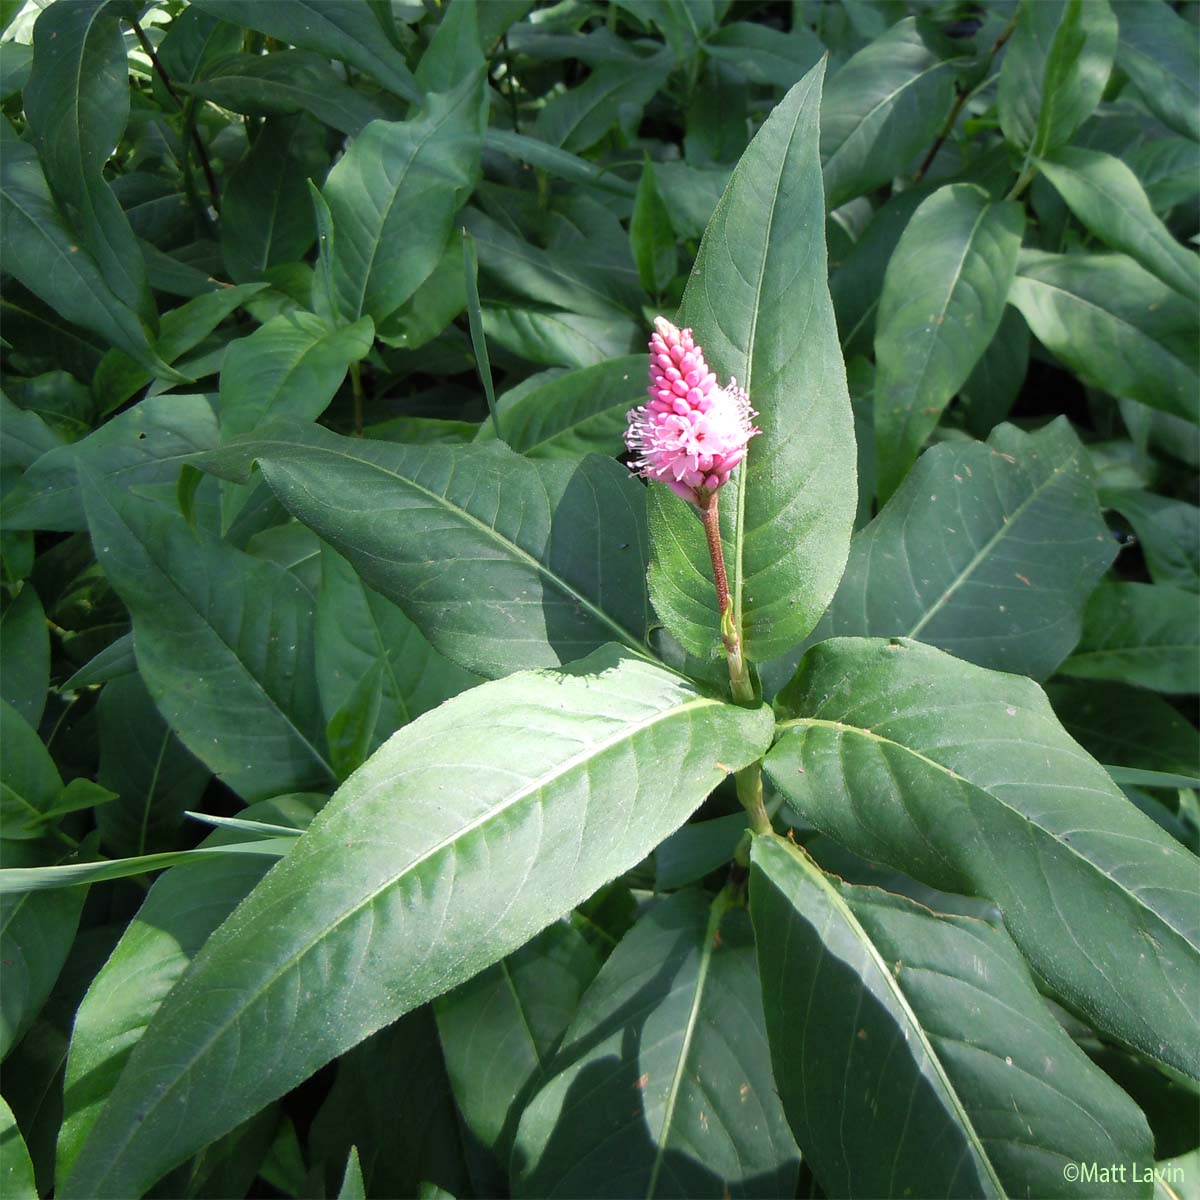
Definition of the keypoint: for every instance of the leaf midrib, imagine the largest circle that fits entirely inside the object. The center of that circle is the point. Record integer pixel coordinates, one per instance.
(625, 636)
(842, 728)
(901, 1000)
(532, 787)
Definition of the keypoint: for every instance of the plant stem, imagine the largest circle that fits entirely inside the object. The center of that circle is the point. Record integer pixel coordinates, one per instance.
(750, 793)
(731, 634)
(356, 389)
(189, 121)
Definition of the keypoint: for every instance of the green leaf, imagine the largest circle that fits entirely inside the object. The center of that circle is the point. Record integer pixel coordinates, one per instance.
(765, 55)
(499, 561)
(352, 1182)
(995, 382)
(614, 93)
(454, 50)
(357, 631)
(77, 104)
(1055, 70)
(155, 778)
(1115, 325)
(36, 933)
(881, 110)
(651, 235)
(23, 881)
(988, 551)
(925, 743)
(349, 32)
(944, 293)
(118, 376)
(230, 666)
(182, 909)
(266, 214)
(563, 414)
(41, 251)
(145, 445)
(393, 197)
(922, 1030)
(1169, 170)
(1140, 633)
(559, 339)
(1126, 725)
(291, 367)
(16, 1171)
(663, 1083)
(284, 82)
(1158, 50)
(499, 1030)
(30, 782)
(759, 305)
(412, 894)
(557, 162)
(1168, 532)
(1105, 195)
(25, 664)
(194, 41)
(391, 1099)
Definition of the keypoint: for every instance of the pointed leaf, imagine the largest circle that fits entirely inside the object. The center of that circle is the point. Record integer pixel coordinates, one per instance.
(412, 884)
(16, 1171)
(223, 641)
(944, 293)
(1158, 50)
(25, 665)
(1097, 897)
(925, 1062)
(663, 1085)
(499, 561)
(758, 302)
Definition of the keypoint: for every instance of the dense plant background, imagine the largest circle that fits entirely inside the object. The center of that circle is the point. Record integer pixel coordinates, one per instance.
(278, 275)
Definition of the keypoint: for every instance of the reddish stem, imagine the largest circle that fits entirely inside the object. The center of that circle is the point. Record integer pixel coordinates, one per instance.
(710, 514)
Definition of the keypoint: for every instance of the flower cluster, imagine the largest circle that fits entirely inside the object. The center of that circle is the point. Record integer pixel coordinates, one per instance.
(692, 433)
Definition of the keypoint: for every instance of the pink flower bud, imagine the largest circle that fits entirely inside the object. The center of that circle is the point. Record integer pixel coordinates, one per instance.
(693, 433)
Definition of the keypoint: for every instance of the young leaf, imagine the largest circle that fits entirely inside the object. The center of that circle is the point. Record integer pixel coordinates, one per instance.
(1105, 195)
(412, 884)
(224, 644)
(1117, 326)
(393, 197)
(499, 561)
(988, 551)
(1140, 633)
(924, 744)
(759, 305)
(291, 367)
(663, 1083)
(651, 234)
(881, 110)
(1055, 70)
(180, 911)
(944, 293)
(922, 1030)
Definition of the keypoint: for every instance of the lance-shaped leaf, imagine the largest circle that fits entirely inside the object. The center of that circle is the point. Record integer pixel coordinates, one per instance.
(349, 32)
(77, 104)
(1157, 48)
(881, 110)
(182, 908)
(16, 1171)
(1055, 70)
(944, 293)
(913, 1053)
(223, 642)
(987, 550)
(910, 757)
(1109, 200)
(499, 561)
(759, 304)
(1141, 633)
(663, 1083)
(412, 880)
(393, 197)
(1113, 323)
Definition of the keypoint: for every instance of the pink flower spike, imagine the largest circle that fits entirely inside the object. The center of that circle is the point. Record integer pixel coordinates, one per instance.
(693, 433)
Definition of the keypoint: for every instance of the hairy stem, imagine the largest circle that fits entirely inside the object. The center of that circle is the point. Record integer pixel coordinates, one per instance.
(731, 634)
